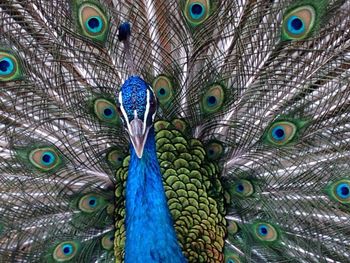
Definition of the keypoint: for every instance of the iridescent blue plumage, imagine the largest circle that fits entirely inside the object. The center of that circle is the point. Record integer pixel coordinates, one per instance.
(150, 235)
(134, 93)
(146, 203)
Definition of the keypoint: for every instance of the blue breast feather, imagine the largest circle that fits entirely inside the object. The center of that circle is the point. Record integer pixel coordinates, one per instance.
(150, 235)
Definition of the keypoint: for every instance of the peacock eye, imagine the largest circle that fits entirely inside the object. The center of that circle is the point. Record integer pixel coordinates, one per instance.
(163, 89)
(9, 67)
(340, 191)
(108, 241)
(93, 21)
(197, 11)
(115, 158)
(214, 150)
(180, 125)
(265, 232)
(90, 203)
(232, 258)
(232, 227)
(298, 23)
(44, 159)
(213, 100)
(281, 133)
(243, 188)
(106, 111)
(66, 251)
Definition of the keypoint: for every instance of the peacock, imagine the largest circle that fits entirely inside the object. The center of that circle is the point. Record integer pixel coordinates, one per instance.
(172, 131)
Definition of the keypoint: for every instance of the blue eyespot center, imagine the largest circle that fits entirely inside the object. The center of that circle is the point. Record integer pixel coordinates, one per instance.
(108, 112)
(67, 249)
(211, 152)
(94, 24)
(111, 238)
(47, 158)
(211, 100)
(161, 91)
(295, 25)
(6, 66)
(343, 190)
(230, 261)
(240, 188)
(197, 10)
(263, 230)
(278, 133)
(120, 159)
(92, 201)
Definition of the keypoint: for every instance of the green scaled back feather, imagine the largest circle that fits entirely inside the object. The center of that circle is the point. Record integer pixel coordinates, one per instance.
(252, 129)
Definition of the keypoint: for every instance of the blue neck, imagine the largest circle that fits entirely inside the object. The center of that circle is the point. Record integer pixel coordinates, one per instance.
(150, 234)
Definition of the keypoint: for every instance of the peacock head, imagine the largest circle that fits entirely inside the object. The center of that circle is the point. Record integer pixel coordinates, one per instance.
(137, 107)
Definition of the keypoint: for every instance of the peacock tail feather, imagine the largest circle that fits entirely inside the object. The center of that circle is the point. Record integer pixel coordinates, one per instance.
(252, 128)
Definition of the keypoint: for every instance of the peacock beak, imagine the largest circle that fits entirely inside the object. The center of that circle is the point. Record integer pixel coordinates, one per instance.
(138, 133)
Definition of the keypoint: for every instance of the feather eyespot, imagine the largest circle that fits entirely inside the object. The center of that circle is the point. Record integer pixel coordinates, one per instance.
(243, 188)
(232, 258)
(340, 191)
(163, 89)
(180, 125)
(298, 23)
(115, 158)
(94, 24)
(108, 241)
(66, 251)
(106, 111)
(213, 100)
(44, 159)
(9, 67)
(343, 190)
(214, 150)
(197, 11)
(93, 21)
(6, 66)
(265, 232)
(232, 227)
(281, 133)
(90, 203)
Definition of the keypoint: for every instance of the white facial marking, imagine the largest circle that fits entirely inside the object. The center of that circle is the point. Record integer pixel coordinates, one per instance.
(154, 96)
(124, 112)
(146, 112)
